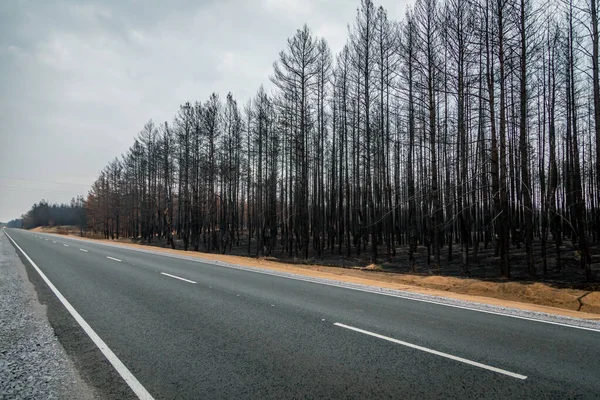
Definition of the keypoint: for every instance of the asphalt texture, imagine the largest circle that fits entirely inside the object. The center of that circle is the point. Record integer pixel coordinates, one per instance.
(239, 334)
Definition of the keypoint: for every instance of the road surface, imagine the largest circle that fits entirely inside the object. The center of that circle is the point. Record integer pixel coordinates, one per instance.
(176, 328)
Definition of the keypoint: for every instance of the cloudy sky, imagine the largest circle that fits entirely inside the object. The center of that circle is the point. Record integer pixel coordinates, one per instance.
(78, 79)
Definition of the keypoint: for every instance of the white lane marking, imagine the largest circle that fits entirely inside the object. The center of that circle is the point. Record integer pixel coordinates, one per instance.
(372, 291)
(112, 258)
(131, 380)
(46, 240)
(177, 277)
(366, 290)
(66, 245)
(84, 250)
(435, 352)
(54, 241)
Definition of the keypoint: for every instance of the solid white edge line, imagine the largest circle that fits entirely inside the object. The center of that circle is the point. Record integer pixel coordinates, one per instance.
(131, 380)
(435, 352)
(84, 250)
(372, 291)
(177, 277)
(112, 258)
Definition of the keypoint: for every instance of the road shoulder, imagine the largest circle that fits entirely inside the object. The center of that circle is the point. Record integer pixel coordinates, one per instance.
(87, 373)
(33, 363)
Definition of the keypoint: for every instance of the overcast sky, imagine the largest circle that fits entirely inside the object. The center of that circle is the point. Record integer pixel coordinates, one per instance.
(78, 79)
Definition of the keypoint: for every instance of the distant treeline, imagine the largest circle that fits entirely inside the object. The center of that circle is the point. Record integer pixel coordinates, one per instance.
(46, 214)
(15, 223)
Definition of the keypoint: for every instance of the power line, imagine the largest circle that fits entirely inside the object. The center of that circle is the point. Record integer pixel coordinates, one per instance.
(41, 181)
(36, 190)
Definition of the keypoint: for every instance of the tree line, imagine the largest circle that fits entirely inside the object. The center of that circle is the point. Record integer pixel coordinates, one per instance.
(46, 214)
(469, 123)
(15, 223)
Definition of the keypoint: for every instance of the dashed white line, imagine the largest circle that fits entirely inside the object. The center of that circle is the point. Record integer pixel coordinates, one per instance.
(365, 289)
(84, 250)
(66, 245)
(435, 352)
(129, 378)
(112, 258)
(46, 240)
(54, 241)
(177, 277)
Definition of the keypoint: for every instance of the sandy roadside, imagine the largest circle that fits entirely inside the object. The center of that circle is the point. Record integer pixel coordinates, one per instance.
(539, 297)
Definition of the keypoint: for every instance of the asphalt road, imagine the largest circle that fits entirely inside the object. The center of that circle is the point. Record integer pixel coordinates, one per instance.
(187, 329)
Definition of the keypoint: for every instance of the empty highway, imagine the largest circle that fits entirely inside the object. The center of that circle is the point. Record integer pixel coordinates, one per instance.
(175, 328)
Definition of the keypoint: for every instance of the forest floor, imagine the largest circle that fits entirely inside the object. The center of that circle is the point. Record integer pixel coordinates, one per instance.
(563, 292)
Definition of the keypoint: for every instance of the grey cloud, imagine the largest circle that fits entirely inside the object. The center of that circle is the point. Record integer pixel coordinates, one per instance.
(78, 79)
